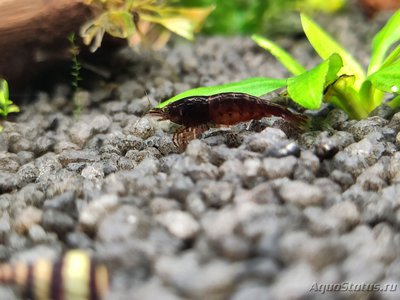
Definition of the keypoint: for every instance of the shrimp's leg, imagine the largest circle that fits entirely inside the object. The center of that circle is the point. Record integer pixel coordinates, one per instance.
(184, 135)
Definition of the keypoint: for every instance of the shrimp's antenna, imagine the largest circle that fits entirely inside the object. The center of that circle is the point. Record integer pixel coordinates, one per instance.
(148, 98)
(150, 107)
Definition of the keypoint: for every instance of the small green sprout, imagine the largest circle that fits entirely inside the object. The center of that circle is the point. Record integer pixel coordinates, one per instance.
(338, 79)
(6, 105)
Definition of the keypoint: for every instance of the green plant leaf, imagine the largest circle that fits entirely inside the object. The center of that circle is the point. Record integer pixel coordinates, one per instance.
(13, 109)
(6, 105)
(387, 79)
(118, 23)
(179, 25)
(327, 7)
(307, 89)
(395, 54)
(395, 102)
(383, 40)
(280, 54)
(370, 96)
(342, 94)
(366, 93)
(3, 92)
(196, 15)
(92, 34)
(180, 20)
(256, 86)
(325, 46)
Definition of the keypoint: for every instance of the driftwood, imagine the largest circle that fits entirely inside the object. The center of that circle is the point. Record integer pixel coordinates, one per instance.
(373, 7)
(34, 33)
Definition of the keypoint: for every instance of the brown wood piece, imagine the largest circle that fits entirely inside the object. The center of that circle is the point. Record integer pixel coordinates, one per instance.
(34, 31)
(373, 7)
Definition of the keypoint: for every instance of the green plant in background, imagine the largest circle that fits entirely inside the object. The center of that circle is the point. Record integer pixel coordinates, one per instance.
(237, 16)
(338, 79)
(255, 16)
(256, 86)
(351, 88)
(135, 20)
(6, 105)
(76, 65)
(75, 72)
(311, 6)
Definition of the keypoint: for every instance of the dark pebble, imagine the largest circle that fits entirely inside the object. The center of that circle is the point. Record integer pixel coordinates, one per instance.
(8, 182)
(77, 156)
(57, 221)
(64, 202)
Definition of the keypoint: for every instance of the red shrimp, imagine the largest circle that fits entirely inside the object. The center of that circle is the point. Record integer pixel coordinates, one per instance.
(196, 113)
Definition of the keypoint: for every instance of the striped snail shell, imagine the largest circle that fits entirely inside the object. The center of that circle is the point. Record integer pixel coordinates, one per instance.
(76, 276)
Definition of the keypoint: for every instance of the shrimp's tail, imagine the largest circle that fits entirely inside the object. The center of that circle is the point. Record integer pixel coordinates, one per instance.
(297, 119)
(300, 120)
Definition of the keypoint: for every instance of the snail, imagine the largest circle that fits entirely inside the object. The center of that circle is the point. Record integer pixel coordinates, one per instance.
(75, 276)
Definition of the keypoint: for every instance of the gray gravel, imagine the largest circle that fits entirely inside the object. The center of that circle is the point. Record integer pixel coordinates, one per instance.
(251, 212)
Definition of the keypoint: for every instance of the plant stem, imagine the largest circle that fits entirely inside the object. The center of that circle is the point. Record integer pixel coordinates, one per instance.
(348, 100)
(395, 102)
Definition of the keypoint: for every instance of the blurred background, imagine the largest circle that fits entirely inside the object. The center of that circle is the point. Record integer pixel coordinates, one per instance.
(259, 16)
(278, 16)
(33, 33)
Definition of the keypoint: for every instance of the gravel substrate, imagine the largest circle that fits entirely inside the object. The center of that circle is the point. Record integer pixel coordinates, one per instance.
(251, 212)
